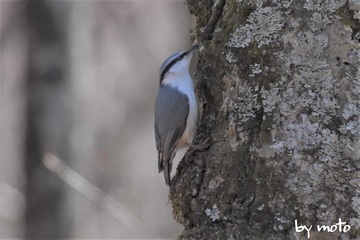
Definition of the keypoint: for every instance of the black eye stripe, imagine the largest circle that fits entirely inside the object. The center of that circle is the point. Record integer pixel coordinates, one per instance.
(166, 69)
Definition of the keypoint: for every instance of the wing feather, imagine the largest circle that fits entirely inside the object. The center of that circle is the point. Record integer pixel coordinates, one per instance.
(171, 112)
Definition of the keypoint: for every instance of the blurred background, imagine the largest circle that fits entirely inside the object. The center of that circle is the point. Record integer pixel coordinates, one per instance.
(78, 83)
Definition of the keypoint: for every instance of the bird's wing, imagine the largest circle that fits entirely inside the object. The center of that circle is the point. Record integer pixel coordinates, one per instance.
(171, 112)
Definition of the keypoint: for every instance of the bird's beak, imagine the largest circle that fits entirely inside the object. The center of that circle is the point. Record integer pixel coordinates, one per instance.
(193, 48)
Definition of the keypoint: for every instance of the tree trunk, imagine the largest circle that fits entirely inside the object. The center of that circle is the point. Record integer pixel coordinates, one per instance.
(279, 84)
(47, 119)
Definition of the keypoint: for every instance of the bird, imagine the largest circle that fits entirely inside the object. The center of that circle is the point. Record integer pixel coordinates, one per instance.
(176, 109)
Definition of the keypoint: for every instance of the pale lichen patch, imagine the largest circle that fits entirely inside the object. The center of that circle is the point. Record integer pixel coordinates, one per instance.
(262, 25)
(324, 5)
(230, 57)
(213, 213)
(245, 106)
(319, 21)
(355, 202)
(255, 69)
(319, 109)
(241, 37)
(356, 14)
(270, 98)
(322, 12)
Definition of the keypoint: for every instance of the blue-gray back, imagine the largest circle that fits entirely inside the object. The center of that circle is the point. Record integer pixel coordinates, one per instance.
(171, 112)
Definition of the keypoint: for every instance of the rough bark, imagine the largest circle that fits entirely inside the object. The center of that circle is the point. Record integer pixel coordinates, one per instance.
(279, 83)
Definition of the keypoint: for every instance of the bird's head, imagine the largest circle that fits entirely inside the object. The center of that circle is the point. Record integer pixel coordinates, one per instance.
(177, 63)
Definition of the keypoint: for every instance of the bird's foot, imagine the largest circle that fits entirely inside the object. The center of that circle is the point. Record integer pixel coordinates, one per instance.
(201, 146)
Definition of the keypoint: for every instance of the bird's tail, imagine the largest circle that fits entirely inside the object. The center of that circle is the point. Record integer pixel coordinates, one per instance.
(160, 161)
(167, 171)
(165, 164)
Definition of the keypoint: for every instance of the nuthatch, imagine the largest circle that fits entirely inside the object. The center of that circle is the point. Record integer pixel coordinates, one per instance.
(176, 109)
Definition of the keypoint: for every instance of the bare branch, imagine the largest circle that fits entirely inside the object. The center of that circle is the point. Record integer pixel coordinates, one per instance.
(93, 193)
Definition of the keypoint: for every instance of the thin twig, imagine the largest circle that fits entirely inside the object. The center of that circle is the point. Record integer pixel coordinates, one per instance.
(94, 194)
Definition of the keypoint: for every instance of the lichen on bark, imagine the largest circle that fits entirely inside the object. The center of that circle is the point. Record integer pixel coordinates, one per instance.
(279, 85)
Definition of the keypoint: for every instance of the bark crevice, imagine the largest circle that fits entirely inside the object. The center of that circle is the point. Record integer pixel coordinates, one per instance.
(215, 17)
